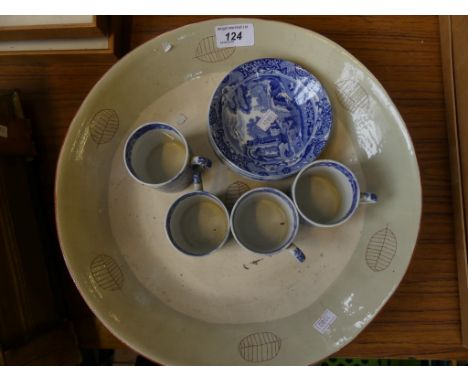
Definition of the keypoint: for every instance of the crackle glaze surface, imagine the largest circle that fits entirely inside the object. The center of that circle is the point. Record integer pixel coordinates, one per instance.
(232, 307)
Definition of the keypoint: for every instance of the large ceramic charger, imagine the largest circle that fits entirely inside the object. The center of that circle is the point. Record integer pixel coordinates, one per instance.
(232, 307)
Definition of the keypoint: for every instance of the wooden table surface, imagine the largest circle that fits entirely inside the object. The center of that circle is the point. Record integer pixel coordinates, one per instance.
(422, 319)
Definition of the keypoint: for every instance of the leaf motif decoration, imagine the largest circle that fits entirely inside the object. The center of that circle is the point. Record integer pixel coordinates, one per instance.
(103, 126)
(107, 273)
(351, 95)
(381, 249)
(259, 347)
(234, 192)
(207, 51)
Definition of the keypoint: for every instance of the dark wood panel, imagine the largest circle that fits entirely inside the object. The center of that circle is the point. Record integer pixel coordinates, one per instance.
(453, 35)
(54, 347)
(31, 302)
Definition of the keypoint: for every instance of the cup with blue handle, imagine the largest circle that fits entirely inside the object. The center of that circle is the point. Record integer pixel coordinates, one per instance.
(265, 221)
(327, 194)
(157, 155)
(197, 223)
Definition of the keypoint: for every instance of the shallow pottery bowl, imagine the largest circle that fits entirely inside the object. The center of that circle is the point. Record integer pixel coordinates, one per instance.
(232, 307)
(268, 118)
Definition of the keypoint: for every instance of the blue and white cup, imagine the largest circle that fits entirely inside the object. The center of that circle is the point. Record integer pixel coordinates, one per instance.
(197, 223)
(265, 221)
(326, 193)
(157, 155)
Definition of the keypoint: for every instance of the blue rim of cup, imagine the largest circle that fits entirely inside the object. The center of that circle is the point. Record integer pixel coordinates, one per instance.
(173, 207)
(351, 180)
(283, 197)
(137, 134)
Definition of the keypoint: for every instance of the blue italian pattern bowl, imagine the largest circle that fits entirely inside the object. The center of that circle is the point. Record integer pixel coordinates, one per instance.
(268, 118)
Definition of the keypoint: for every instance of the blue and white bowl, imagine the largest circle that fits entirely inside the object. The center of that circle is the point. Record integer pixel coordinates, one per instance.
(269, 118)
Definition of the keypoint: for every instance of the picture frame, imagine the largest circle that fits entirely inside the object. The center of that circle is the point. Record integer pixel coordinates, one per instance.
(14, 28)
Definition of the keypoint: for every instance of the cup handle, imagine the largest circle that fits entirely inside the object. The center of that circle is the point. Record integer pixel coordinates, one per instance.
(297, 253)
(198, 164)
(368, 198)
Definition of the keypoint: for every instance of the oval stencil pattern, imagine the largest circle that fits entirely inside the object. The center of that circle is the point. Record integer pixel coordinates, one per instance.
(103, 126)
(234, 192)
(352, 95)
(207, 51)
(107, 273)
(260, 347)
(381, 249)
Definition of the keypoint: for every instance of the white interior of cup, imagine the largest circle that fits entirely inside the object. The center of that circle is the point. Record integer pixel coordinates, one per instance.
(263, 221)
(156, 154)
(325, 194)
(197, 223)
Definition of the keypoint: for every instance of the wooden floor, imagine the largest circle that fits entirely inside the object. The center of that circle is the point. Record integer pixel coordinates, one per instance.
(422, 319)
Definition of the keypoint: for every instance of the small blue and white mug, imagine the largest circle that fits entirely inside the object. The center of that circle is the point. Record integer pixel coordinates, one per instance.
(326, 193)
(158, 155)
(265, 221)
(197, 223)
